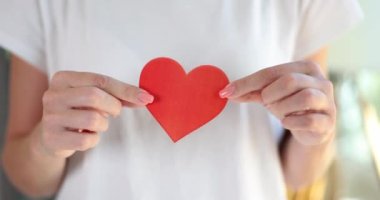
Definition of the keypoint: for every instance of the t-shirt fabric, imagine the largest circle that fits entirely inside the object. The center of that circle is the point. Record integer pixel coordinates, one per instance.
(234, 156)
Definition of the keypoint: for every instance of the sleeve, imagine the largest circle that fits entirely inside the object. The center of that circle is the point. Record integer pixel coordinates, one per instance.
(21, 30)
(322, 21)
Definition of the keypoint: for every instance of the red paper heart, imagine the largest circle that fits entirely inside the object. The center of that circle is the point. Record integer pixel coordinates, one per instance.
(183, 102)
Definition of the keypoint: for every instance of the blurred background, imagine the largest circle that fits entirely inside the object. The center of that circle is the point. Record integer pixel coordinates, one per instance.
(354, 62)
(355, 70)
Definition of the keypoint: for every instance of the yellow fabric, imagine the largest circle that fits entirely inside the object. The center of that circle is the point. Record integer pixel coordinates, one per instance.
(316, 191)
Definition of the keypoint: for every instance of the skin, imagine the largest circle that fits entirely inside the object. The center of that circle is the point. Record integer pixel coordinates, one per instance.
(300, 95)
(41, 135)
(76, 106)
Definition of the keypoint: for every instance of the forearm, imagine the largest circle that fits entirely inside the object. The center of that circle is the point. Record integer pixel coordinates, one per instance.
(30, 168)
(303, 164)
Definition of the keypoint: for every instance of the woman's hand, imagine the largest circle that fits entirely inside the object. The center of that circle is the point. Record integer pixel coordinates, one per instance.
(76, 108)
(297, 93)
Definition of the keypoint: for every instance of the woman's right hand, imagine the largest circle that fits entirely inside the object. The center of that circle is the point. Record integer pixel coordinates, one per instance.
(76, 108)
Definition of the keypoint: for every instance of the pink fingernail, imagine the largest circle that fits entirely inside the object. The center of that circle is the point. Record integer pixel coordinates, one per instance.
(227, 91)
(145, 97)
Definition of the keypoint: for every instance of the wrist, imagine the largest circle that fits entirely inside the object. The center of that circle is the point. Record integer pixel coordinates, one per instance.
(39, 148)
(324, 145)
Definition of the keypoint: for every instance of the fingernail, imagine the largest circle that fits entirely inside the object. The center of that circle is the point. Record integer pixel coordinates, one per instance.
(227, 91)
(145, 98)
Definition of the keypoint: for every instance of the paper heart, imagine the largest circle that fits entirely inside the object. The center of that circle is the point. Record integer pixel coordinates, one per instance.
(183, 102)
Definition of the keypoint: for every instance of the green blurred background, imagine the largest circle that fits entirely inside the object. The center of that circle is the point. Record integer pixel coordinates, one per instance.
(355, 70)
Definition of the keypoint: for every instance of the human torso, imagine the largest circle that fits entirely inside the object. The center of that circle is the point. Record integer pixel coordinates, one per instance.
(232, 157)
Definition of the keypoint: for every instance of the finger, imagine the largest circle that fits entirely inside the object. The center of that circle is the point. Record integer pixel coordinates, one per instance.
(287, 85)
(118, 89)
(130, 105)
(85, 97)
(80, 119)
(250, 97)
(67, 140)
(257, 81)
(304, 100)
(317, 123)
(310, 129)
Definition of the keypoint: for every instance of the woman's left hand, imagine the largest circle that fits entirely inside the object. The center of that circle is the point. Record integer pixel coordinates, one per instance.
(297, 93)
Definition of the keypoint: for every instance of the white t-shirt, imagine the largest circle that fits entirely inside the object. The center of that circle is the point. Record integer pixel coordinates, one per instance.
(234, 156)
